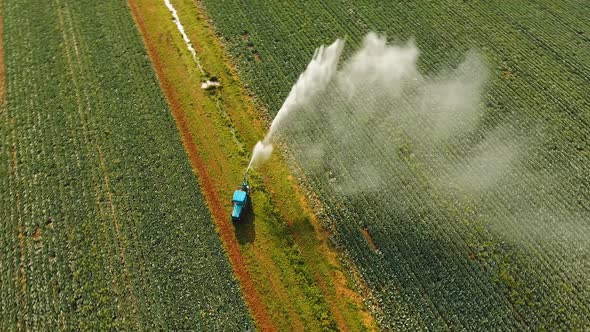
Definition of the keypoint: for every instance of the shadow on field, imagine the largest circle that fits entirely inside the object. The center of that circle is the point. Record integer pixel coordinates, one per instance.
(245, 232)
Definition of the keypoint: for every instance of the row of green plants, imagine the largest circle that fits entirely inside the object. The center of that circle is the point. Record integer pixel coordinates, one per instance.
(446, 257)
(103, 225)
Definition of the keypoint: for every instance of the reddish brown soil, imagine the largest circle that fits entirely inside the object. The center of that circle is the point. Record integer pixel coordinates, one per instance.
(220, 217)
(369, 239)
(37, 234)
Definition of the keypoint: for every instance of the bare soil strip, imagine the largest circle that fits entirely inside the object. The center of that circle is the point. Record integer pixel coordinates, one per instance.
(251, 295)
(295, 275)
(369, 238)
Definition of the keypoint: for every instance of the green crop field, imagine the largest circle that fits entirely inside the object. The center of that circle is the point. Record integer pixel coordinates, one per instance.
(457, 197)
(514, 255)
(102, 223)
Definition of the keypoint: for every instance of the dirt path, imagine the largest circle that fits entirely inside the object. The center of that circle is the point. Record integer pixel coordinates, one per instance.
(290, 276)
(251, 295)
(319, 277)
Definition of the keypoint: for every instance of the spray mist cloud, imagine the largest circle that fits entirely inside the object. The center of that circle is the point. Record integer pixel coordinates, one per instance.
(386, 146)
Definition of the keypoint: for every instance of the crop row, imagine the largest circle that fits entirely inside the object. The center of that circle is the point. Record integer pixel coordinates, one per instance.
(511, 256)
(103, 223)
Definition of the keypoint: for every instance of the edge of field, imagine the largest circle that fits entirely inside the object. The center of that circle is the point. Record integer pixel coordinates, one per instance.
(289, 274)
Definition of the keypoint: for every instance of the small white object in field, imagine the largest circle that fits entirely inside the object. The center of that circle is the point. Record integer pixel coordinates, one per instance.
(210, 85)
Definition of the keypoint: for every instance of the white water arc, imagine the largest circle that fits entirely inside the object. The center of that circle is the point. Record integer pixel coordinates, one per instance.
(313, 80)
(189, 44)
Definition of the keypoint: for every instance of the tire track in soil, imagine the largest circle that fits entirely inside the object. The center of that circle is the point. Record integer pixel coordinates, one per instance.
(296, 324)
(85, 119)
(122, 203)
(212, 198)
(105, 237)
(119, 242)
(319, 279)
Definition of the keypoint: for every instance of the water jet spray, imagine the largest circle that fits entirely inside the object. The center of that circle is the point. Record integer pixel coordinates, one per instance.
(313, 80)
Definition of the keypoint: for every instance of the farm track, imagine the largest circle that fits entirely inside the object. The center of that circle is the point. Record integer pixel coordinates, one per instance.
(217, 131)
(208, 187)
(218, 213)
